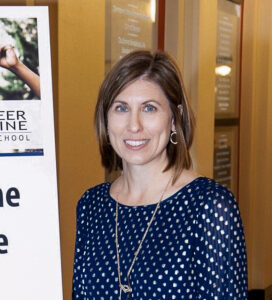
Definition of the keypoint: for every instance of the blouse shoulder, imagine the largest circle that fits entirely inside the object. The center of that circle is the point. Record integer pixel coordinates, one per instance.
(91, 195)
(213, 201)
(211, 193)
(218, 207)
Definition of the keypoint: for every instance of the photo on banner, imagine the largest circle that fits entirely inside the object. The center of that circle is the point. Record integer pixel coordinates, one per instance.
(20, 91)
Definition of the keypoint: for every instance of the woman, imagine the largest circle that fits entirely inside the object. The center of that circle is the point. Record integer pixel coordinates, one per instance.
(9, 61)
(159, 231)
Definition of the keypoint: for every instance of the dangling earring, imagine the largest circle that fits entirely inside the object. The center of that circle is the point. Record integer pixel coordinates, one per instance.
(171, 137)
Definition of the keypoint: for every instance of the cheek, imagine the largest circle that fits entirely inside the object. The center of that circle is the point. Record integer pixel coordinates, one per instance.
(161, 125)
(113, 123)
(114, 128)
(115, 131)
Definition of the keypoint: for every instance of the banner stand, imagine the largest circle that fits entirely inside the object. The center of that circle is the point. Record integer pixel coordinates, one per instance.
(30, 264)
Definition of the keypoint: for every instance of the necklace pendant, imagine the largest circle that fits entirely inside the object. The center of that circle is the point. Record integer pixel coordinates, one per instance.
(125, 288)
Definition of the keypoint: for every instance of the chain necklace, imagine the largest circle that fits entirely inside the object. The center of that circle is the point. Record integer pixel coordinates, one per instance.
(126, 288)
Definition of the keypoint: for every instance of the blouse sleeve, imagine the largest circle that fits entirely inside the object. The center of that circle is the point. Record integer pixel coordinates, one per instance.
(220, 256)
(81, 223)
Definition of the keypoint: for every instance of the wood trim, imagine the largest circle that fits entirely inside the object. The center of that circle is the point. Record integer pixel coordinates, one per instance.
(30, 2)
(12, 2)
(239, 99)
(161, 24)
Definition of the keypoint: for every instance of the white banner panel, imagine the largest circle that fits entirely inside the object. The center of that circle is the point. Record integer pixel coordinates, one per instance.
(30, 267)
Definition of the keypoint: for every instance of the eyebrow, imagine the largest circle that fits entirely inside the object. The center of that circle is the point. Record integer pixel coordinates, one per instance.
(151, 100)
(119, 101)
(145, 102)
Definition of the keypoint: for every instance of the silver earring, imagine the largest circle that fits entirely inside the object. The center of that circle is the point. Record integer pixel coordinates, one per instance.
(174, 142)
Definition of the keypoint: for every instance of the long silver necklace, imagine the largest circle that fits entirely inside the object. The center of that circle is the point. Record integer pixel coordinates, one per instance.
(126, 288)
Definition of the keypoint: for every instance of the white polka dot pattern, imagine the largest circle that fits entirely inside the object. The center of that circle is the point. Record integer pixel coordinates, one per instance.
(195, 248)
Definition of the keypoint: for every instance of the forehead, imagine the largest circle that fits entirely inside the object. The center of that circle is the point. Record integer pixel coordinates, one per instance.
(143, 90)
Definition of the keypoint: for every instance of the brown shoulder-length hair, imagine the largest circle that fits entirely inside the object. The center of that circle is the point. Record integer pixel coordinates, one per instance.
(160, 68)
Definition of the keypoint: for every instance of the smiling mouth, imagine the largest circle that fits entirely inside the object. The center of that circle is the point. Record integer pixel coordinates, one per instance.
(135, 143)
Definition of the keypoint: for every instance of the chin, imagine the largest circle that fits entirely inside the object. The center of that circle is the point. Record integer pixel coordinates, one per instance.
(136, 161)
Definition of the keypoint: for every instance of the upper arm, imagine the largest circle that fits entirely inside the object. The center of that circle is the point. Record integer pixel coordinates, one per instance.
(81, 224)
(220, 255)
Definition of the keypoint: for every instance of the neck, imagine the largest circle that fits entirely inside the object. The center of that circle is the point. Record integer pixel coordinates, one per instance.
(140, 185)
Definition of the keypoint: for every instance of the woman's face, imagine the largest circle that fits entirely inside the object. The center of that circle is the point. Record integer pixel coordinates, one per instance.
(140, 123)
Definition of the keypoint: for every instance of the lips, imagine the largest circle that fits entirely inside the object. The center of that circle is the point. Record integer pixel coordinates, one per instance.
(136, 143)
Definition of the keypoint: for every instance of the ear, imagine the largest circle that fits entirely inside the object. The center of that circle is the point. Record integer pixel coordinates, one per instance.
(173, 127)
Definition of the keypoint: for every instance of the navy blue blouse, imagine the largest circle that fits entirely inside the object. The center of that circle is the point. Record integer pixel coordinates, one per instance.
(195, 247)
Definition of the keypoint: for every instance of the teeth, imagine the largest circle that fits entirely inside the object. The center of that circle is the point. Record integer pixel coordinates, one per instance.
(135, 143)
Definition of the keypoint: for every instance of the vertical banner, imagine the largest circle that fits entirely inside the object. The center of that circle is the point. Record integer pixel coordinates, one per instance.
(30, 265)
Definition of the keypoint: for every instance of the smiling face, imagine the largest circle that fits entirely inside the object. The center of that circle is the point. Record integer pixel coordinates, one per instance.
(140, 123)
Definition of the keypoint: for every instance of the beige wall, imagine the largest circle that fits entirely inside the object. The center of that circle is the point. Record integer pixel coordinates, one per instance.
(256, 140)
(204, 139)
(81, 27)
(189, 25)
(174, 30)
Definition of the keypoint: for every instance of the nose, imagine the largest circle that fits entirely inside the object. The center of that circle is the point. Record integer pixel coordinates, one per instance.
(135, 122)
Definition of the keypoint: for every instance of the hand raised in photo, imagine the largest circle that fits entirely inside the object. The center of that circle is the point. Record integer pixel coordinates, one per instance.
(10, 61)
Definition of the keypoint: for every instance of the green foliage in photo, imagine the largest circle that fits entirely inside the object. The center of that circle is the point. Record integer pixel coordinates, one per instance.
(24, 33)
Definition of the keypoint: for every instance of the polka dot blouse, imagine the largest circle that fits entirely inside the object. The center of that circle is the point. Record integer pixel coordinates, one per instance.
(195, 247)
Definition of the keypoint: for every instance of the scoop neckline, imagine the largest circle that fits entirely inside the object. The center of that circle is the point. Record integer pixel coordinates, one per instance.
(154, 204)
